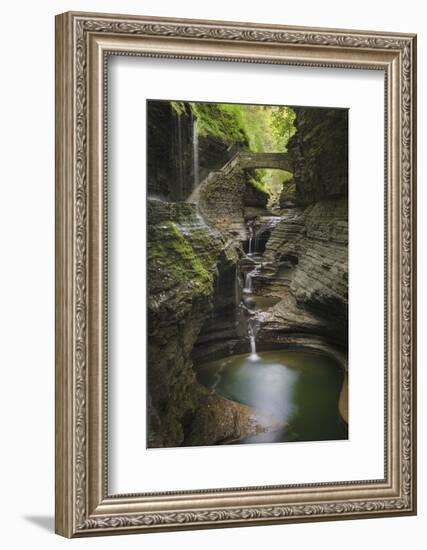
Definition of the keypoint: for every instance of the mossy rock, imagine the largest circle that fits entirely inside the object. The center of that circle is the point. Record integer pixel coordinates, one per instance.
(172, 256)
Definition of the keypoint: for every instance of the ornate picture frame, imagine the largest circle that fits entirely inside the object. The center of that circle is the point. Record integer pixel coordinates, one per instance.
(84, 42)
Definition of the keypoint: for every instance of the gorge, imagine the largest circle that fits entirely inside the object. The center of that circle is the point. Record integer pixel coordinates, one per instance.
(247, 275)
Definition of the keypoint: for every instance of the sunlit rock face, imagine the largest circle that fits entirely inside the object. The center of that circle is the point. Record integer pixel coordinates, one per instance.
(226, 195)
(221, 202)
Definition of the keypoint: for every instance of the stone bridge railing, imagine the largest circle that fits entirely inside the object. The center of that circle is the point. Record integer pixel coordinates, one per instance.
(278, 161)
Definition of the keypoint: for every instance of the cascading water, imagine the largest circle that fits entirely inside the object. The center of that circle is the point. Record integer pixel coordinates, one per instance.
(248, 282)
(195, 155)
(251, 322)
(250, 240)
(252, 333)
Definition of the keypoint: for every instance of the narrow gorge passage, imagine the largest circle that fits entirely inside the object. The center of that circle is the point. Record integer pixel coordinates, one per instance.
(247, 274)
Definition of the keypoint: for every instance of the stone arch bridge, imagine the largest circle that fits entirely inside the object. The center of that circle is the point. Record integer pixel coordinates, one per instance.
(278, 161)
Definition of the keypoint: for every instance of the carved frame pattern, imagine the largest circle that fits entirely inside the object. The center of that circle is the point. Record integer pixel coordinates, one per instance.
(80, 509)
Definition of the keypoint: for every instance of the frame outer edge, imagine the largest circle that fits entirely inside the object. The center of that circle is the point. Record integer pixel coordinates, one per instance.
(413, 159)
(64, 238)
(73, 517)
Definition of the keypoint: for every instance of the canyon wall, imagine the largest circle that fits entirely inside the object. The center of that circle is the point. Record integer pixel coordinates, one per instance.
(319, 153)
(306, 257)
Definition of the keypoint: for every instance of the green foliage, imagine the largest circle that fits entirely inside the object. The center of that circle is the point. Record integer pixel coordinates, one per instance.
(273, 181)
(257, 127)
(282, 125)
(178, 107)
(286, 177)
(263, 128)
(258, 184)
(220, 120)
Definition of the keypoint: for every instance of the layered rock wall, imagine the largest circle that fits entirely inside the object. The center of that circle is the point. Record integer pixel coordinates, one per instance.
(225, 194)
(306, 257)
(319, 153)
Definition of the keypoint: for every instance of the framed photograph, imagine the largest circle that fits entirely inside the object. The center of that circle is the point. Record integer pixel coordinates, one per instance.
(235, 274)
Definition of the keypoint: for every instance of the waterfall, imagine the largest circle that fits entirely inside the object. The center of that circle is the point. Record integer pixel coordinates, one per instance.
(253, 345)
(251, 330)
(195, 154)
(247, 303)
(251, 234)
(248, 282)
(180, 161)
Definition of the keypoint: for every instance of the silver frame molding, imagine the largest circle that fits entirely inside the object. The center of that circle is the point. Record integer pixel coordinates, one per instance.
(83, 43)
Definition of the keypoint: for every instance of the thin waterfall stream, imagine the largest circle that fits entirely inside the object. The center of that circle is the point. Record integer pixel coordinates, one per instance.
(250, 239)
(248, 282)
(251, 322)
(252, 338)
(195, 155)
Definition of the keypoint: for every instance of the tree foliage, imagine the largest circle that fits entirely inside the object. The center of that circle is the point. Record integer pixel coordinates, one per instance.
(262, 128)
(220, 120)
(282, 124)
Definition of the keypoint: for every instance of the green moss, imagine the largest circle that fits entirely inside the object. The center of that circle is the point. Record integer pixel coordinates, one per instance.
(169, 250)
(258, 185)
(219, 120)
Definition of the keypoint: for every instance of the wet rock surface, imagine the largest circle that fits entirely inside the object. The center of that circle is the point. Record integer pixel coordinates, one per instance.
(220, 421)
